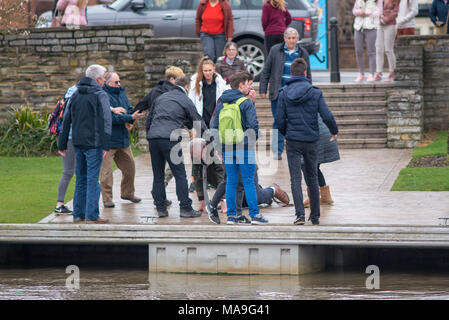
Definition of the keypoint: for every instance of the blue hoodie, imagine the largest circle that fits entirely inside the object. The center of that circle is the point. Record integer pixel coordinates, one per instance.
(297, 111)
(247, 111)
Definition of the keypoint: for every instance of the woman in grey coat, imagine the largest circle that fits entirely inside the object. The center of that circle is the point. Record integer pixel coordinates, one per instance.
(327, 152)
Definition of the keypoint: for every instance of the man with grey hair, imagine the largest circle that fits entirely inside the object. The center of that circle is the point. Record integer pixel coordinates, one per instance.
(275, 72)
(89, 115)
(120, 152)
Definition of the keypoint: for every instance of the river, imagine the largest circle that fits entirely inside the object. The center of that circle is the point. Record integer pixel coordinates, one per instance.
(39, 284)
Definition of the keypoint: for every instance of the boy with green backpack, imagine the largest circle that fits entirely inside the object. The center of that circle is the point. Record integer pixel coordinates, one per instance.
(236, 121)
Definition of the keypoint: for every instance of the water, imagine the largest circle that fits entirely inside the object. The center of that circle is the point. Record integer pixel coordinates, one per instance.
(40, 284)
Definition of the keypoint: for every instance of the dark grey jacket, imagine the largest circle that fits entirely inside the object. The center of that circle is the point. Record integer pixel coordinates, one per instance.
(274, 67)
(89, 114)
(171, 111)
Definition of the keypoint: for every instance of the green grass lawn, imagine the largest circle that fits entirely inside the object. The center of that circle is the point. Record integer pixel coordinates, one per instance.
(426, 178)
(436, 148)
(29, 187)
(422, 179)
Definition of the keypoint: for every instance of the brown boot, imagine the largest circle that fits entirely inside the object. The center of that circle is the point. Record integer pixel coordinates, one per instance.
(280, 194)
(306, 202)
(325, 195)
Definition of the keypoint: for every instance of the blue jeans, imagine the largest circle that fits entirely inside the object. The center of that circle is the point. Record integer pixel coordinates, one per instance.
(87, 187)
(280, 137)
(213, 45)
(244, 161)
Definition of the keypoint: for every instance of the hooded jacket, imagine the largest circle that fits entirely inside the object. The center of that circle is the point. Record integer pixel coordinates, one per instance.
(247, 112)
(171, 111)
(298, 107)
(120, 134)
(90, 116)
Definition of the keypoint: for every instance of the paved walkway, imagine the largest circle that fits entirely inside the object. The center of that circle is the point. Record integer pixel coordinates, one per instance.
(359, 182)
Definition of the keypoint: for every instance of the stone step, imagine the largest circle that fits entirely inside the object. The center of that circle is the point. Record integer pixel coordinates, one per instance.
(362, 143)
(362, 133)
(358, 96)
(357, 105)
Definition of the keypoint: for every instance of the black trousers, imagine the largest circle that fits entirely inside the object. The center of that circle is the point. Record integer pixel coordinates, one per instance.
(160, 154)
(307, 150)
(273, 39)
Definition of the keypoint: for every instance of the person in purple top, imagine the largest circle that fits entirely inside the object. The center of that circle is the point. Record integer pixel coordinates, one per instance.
(275, 19)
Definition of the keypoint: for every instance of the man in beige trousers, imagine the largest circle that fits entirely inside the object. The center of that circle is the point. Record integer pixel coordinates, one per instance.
(120, 151)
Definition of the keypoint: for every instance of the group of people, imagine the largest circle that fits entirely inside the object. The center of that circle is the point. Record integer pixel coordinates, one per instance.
(98, 116)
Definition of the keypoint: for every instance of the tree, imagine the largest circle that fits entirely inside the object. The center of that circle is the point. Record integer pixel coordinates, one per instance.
(14, 14)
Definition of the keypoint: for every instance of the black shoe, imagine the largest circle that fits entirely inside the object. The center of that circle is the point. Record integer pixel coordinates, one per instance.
(300, 220)
(62, 209)
(190, 214)
(315, 221)
(213, 214)
(162, 213)
(192, 187)
(241, 219)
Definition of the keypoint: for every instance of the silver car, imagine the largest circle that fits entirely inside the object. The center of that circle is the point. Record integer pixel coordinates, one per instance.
(176, 18)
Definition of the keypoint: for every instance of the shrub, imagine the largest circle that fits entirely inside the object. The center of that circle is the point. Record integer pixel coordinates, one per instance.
(25, 134)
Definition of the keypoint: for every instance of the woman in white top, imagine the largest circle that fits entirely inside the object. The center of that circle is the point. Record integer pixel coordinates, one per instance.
(206, 87)
(408, 10)
(366, 22)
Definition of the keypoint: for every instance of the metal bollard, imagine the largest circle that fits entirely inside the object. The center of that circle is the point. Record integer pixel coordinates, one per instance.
(335, 69)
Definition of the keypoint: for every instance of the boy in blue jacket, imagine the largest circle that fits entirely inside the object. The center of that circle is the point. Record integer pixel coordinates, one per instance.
(297, 119)
(240, 156)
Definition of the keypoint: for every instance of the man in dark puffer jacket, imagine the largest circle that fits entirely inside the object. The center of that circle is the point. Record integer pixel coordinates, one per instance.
(297, 119)
(120, 151)
(90, 116)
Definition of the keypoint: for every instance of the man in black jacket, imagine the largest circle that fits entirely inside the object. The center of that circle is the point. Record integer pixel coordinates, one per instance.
(89, 115)
(297, 119)
(275, 72)
(171, 111)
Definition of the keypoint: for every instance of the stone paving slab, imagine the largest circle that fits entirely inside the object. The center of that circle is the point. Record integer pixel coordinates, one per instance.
(359, 183)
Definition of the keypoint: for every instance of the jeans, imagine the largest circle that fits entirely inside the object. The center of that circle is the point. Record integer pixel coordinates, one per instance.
(273, 39)
(160, 154)
(369, 37)
(321, 180)
(307, 150)
(280, 137)
(243, 160)
(87, 187)
(213, 45)
(385, 46)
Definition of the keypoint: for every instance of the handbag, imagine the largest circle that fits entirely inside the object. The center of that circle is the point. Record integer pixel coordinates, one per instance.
(57, 17)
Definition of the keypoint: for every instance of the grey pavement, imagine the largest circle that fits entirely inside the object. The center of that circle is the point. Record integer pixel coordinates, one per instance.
(360, 184)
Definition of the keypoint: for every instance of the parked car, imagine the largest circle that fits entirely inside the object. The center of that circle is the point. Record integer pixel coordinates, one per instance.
(176, 18)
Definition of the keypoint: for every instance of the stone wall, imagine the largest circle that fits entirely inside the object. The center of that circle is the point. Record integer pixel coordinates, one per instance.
(38, 65)
(423, 61)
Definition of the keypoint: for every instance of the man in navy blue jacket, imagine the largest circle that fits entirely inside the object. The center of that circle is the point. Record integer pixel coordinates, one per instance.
(297, 119)
(90, 116)
(120, 152)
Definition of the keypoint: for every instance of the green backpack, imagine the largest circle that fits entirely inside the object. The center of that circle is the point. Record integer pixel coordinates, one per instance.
(230, 123)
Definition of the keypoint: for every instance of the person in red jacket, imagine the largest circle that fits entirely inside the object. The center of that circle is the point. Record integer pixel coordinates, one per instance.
(275, 20)
(214, 25)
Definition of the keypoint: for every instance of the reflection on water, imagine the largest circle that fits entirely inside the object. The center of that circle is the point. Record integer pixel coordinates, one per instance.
(122, 284)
